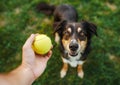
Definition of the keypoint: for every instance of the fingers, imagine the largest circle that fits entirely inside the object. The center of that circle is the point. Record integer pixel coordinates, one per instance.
(51, 47)
(48, 55)
(45, 55)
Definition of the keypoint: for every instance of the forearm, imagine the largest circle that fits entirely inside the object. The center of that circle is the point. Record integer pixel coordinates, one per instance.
(19, 76)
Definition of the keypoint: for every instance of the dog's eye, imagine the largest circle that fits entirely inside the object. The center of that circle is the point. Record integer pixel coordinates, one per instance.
(66, 35)
(82, 36)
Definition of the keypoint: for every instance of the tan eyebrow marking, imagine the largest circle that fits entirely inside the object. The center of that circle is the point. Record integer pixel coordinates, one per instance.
(69, 29)
(79, 29)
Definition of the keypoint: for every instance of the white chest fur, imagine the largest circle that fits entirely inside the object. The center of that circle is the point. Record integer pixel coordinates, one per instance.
(73, 61)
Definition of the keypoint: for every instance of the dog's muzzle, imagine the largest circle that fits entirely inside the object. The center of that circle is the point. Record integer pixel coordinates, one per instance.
(73, 46)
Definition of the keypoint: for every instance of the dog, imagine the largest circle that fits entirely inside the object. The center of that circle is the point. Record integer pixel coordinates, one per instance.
(73, 37)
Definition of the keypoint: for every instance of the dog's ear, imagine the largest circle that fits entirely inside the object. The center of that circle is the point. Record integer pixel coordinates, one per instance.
(90, 27)
(59, 26)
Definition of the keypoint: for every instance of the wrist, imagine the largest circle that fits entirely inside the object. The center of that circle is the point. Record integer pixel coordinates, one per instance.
(22, 76)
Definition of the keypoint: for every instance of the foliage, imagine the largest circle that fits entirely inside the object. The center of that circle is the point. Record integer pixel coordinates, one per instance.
(18, 19)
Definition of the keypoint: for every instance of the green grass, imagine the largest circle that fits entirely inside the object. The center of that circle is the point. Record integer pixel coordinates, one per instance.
(18, 19)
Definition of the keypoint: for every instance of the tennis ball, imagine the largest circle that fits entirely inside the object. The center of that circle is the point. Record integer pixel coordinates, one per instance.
(42, 44)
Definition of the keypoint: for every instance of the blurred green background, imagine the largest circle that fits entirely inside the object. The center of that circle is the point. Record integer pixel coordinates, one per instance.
(18, 19)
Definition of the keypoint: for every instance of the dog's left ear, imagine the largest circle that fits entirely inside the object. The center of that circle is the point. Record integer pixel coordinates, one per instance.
(58, 27)
(90, 27)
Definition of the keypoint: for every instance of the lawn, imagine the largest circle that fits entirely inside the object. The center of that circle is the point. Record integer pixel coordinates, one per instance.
(18, 19)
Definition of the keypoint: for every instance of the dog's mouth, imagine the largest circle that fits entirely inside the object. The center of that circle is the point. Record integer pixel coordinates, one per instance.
(72, 53)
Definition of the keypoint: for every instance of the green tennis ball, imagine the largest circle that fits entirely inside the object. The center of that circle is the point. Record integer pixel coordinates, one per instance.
(42, 44)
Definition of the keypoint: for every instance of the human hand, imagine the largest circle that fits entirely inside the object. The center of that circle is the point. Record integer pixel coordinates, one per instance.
(33, 65)
(36, 63)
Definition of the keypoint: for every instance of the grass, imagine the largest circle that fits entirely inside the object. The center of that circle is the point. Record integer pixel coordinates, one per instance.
(18, 19)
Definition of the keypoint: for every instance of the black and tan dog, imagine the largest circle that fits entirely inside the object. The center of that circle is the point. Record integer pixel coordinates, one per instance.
(73, 37)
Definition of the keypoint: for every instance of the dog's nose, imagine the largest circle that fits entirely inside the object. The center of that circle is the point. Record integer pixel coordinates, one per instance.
(73, 46)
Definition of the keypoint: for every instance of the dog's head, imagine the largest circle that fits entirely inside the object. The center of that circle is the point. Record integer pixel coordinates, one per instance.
(75, 36)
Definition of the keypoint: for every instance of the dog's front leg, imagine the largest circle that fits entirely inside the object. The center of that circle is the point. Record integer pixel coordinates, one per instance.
(64, 70)
(57, 38)
(80, 71)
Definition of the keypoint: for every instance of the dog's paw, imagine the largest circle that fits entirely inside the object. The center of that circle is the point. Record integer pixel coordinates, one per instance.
(81, 74)
(62, 73)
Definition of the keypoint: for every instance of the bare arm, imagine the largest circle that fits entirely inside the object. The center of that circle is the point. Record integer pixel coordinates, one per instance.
(32, 66)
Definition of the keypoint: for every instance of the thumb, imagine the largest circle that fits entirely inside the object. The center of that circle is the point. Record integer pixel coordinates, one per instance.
(29, 41)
